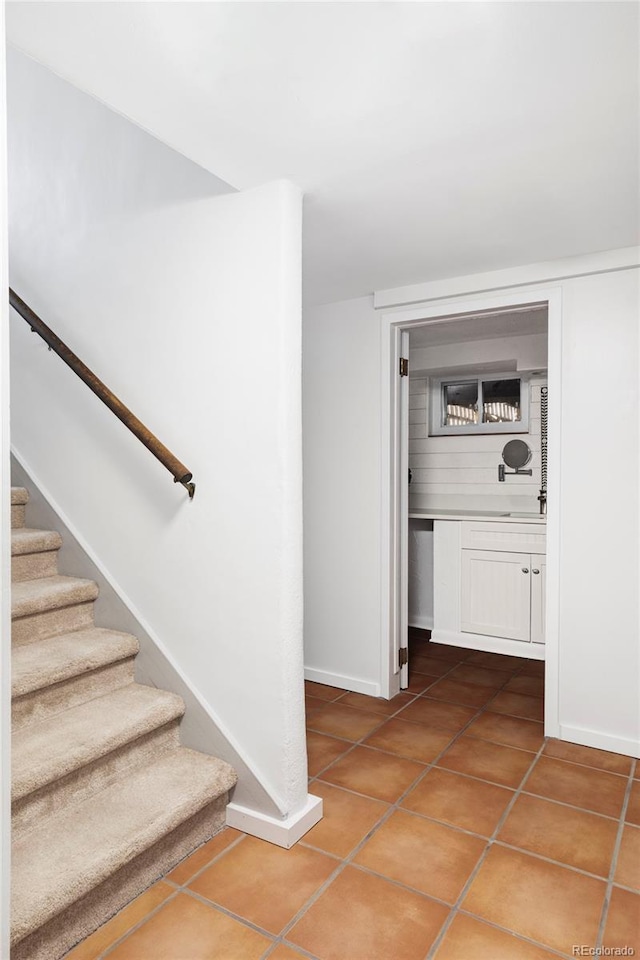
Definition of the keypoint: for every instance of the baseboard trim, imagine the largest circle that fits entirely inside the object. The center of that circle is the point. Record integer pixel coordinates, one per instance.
(342, 682)
(285, 832)
(476, 641)
(422, 623)
(601, 741)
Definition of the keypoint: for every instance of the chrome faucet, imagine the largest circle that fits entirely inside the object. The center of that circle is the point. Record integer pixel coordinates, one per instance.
(542, 498)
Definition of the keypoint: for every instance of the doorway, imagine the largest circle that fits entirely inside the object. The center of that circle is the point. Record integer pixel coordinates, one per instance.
(495, 316)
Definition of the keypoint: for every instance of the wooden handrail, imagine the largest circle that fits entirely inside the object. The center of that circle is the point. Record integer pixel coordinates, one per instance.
(177, 469)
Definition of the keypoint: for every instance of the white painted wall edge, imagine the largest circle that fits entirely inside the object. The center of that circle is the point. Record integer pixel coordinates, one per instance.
(601, 741)
(283, 832)
(535, 273)
(5, 535)
(368, 687)
(276, 800)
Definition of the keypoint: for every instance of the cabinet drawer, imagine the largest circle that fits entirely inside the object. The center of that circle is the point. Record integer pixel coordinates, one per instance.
(506, 536)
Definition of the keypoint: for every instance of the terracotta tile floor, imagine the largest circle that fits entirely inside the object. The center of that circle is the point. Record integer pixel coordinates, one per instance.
(452, 831)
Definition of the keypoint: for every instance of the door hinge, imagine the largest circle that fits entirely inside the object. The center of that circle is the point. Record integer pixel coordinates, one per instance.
(403, 656)
(404, 367)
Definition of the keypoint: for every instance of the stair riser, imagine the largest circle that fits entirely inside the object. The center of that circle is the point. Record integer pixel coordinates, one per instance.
(51, 623)
(92, 777)
(33, 566)
(55, 938)
(49, 701)
(17, 515)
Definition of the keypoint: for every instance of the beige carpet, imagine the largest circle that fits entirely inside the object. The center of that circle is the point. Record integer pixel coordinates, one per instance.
(104, 798)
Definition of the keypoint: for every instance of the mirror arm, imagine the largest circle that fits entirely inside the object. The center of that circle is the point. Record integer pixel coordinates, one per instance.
(518, 472)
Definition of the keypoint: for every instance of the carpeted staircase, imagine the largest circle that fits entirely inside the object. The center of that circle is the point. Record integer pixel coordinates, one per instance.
(104, 798)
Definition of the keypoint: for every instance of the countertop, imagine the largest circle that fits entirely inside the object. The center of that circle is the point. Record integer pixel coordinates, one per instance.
(434, 514)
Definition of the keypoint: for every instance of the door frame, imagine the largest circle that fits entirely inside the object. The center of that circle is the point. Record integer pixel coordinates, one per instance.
(394, 437)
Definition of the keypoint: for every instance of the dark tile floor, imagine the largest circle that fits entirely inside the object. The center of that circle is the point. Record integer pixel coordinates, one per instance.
(452, 830)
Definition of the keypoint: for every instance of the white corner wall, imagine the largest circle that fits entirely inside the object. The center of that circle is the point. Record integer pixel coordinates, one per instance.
(5, 538)
(341, 404)
(599, 653)
(185, 299)
(599, 666)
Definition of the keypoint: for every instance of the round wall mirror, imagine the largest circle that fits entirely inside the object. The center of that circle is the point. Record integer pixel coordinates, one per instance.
(516, 454)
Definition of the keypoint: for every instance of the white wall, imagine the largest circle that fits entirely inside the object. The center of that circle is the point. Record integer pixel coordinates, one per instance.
(599, 642)
(341, 410)
(5, 524)
(187, 303)
(599, 651)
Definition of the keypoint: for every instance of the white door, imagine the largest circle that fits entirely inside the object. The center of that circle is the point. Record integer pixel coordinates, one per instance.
(538, 598)
(496, 594)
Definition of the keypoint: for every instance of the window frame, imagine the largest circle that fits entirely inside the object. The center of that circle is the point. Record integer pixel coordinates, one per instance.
(437, 428)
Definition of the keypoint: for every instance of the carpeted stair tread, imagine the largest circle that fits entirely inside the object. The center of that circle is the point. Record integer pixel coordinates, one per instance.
(41, 664)
(50, 593)
(104, 799)
(19, 496)
(47, 751)
(70, 853)
(24, 540)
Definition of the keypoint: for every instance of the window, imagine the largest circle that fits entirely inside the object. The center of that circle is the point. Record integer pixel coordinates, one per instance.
(501, 401)
(491, 404)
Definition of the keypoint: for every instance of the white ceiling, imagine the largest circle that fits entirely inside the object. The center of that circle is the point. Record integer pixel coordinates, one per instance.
(488, 326)
(431, 139)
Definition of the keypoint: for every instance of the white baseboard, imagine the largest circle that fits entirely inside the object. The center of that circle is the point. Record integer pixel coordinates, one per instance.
(344, 683)
(422, 623)
(284, 832)
(601, 741)
(476, 641)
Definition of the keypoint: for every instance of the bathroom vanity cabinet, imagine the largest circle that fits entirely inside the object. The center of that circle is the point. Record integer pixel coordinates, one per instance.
(489, 584)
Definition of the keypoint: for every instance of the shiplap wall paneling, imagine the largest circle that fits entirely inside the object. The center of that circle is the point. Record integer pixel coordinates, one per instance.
(457, 473)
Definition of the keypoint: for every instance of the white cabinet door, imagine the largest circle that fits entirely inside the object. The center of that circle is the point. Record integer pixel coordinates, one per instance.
(538, 598)
(496, 594)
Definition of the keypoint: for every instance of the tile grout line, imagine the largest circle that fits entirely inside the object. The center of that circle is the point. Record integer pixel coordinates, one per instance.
(143, 920)
(474, 873)
(280, 938)
(518, 936)
(471, 776)
(614, 858)
(383, 720)
(276, 939)
(279, 942)
(393, 808)
(185, 889)
(214, 905)
(342, 863)
(493, 783)
(480, 836)
(347, 861)
(555, 863)
(176, 890)
(453, 739)
(623, 886)
(395, 716)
